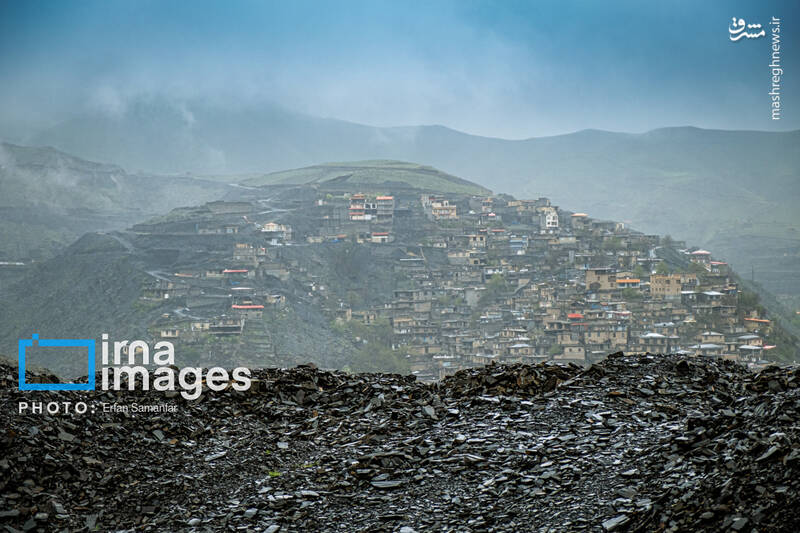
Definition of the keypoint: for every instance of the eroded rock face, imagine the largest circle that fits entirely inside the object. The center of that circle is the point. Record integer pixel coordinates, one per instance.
(638, 443)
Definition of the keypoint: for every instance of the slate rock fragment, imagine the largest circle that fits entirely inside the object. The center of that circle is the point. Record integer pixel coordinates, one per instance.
(637, 442)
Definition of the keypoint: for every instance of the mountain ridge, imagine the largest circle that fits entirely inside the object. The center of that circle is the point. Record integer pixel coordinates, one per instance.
(730, 191)
(50, 198)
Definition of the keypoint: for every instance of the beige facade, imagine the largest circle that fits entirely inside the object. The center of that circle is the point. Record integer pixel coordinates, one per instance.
(665, 287)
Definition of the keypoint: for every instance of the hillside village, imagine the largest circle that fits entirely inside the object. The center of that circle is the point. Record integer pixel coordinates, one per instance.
(464, 280)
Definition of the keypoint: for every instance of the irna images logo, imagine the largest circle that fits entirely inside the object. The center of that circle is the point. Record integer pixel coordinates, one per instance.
(120, 368)
(24, 344)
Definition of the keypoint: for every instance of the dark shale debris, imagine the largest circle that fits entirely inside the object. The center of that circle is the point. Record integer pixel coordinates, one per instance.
(634, 443)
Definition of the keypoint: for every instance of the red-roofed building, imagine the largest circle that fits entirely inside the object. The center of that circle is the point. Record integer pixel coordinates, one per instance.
(757, 324)
(380, 237)
(358, 207)
(238, 273)
(579, 221)
(248, 310)
(719, 267)
(384, 208)
(701, 256)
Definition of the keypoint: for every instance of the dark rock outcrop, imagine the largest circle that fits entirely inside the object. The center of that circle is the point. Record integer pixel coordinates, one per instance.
(636, 443)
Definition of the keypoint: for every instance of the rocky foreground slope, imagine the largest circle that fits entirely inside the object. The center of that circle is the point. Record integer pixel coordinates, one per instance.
(635, 443)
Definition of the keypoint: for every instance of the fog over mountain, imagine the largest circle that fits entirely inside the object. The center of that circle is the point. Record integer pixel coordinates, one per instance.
(252, 89)
(735, 191)
(399, 266)
(50, 198)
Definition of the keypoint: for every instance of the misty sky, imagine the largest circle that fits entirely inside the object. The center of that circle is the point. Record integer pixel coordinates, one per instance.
(505, 69)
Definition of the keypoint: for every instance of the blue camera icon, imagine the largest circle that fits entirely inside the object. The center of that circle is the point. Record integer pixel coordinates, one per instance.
(23, 344)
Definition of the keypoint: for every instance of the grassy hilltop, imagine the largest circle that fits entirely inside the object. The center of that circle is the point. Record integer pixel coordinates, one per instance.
(371, 174)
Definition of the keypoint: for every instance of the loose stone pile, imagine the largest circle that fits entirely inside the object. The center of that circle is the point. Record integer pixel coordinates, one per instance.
(637, 443)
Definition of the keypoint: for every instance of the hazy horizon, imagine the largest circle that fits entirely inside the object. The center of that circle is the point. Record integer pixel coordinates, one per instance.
(513, 70)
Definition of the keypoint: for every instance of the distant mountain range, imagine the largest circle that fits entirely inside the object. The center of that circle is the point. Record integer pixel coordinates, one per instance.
(735, 192)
